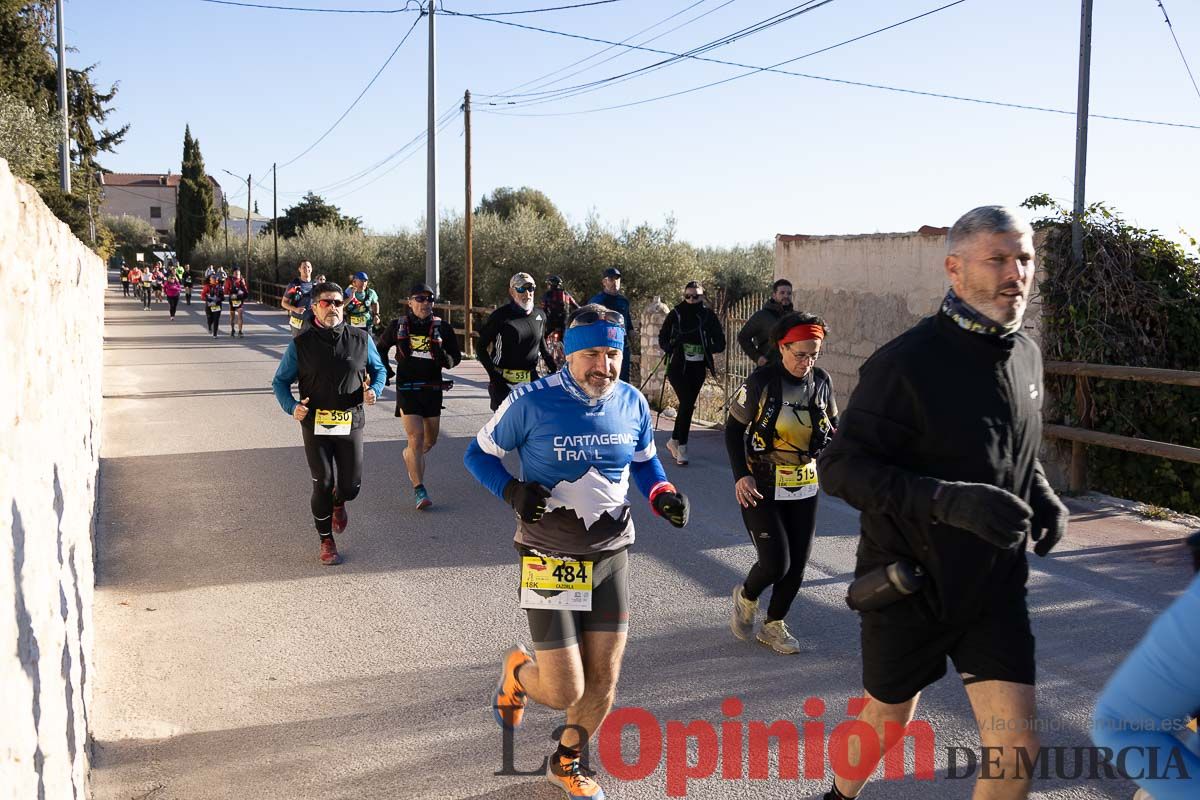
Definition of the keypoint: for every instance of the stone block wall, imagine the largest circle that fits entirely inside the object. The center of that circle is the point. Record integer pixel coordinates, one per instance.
(49, 455)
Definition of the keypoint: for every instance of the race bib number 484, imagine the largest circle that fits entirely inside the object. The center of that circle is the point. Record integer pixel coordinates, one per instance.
(556, 584)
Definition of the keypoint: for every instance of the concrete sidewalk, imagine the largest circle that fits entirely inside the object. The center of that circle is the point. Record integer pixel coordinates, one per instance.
(230, 664)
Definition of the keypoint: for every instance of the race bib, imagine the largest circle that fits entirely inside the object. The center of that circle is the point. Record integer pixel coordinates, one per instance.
(555, 584)
(332, 423)
(693, 352)
(420, 347)
(517, 375)
(216, 307)
(358, 320)
(296, 322)
(796, 483)
(234, 302)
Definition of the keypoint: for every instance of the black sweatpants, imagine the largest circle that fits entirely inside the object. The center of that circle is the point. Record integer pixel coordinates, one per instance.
(498, 392)
(214, 319)
(147, 294)
(687, 378)
(173, 303)
(782, 532)
(125, 288)
(335, 463)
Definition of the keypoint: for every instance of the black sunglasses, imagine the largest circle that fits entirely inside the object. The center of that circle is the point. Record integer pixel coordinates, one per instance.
(326, 302)
(423, 298)
(584, 318)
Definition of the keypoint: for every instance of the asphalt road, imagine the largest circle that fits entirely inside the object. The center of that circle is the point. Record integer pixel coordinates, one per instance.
(231, 664)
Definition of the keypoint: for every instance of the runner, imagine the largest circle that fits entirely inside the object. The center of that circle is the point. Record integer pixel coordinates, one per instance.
(172, 287)
(362, 304)
(124, 280)
(558, 305)
(187, 284)
(612, 298)
(211, 295)
(329, 359)
(145, 287)
(781, 417)
(581, 434)
(511, 340)
(690, 336)
(135, 282)
(425, 345)
(236, 290)
(297, 298)
(158, 276)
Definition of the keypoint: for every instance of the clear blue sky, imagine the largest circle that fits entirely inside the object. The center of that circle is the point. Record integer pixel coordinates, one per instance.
(736, 163)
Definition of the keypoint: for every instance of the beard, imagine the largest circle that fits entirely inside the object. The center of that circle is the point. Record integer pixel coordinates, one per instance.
(596, 384)
(526, 304)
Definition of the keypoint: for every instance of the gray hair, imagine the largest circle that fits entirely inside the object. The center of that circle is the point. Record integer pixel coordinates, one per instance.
(985, 219)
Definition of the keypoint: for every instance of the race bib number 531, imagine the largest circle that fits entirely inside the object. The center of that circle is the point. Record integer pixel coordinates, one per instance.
(556, 584)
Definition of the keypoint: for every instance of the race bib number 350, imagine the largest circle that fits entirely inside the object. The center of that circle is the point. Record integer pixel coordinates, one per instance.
(796, 483)
(332, 423)
(555, 584)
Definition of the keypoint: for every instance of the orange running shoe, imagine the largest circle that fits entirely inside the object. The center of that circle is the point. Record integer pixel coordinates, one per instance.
(571, 776)
(508, 703)
(329, 553)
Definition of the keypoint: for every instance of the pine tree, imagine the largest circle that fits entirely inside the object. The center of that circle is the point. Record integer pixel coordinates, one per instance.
(195, 214)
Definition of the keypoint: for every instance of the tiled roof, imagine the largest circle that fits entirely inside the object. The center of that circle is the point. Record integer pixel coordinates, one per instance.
(144, 179)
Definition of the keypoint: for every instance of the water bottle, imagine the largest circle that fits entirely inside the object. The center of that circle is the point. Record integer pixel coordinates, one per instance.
(883, 586)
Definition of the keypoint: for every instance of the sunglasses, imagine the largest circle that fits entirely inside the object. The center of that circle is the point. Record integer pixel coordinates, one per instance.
(423, 298)
(524, 289)
(592, 317)
(690, 296)
(326, 303)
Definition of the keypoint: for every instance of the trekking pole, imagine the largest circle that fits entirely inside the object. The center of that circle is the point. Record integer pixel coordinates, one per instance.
(652, 372)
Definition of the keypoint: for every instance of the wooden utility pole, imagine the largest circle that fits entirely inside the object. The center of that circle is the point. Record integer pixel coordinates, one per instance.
(1078, 477)
(64, 144)
(468, 347)
(275, 215)
(249, 186)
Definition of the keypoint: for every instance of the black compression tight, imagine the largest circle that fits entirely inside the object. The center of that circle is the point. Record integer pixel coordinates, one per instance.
(782, 533)
(335, 462)
(686, 379)
(214, 320)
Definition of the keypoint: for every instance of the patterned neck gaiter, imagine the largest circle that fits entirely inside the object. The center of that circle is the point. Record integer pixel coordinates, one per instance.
(969, 319)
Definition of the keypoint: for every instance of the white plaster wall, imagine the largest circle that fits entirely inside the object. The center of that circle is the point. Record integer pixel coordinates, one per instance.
(51, 361)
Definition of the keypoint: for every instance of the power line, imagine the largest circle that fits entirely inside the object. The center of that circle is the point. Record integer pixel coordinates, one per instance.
(674, 58)
(842, 81)
(1171, 28)
(266, 6)
(754, 71)
(395, 166)
(540, 10)
(541, 80)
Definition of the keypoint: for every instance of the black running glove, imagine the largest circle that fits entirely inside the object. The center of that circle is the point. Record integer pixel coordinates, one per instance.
(528, 499)
(673, 507)
(998, 517)
(1049, 516)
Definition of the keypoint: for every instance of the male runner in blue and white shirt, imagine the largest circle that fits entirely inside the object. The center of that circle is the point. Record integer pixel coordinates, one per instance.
(581, 434)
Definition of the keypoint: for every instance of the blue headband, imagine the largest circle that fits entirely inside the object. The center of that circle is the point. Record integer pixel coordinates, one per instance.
(598, 334)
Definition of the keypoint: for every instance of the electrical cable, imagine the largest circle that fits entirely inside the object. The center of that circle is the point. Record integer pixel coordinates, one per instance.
(1186, 66)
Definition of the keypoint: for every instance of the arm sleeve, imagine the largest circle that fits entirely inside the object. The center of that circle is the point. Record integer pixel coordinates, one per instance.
(735, 446)
(285, 375)
(505, 431)
(374, 367)
(716, 335)
(451, 352)
(665, 332)
(483, 347)
(1150, 698)
(646, 470)
(857, 465)
(745, 338)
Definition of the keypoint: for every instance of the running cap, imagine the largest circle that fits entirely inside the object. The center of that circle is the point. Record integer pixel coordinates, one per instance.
(361, 276)
(520, 280)
(419, 288)
(612, 272)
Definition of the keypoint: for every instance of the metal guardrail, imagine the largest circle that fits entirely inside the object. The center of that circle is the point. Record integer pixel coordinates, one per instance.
(1080, 437)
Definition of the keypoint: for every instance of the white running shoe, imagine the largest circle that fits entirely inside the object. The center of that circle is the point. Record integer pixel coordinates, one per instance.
(678, 452)
(776, 636)
(742, 621)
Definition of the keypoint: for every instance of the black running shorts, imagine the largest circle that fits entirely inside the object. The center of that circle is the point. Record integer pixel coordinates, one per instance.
(904, 650)
(552, 630)
(421, 403)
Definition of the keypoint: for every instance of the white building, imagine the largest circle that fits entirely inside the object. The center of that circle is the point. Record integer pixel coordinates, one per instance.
(150, 196)
(237, 222)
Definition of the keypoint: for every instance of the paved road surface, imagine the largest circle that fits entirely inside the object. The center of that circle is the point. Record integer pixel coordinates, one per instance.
(230, 664)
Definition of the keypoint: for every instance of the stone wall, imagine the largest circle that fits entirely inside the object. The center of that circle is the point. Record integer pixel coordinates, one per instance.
(49, 451)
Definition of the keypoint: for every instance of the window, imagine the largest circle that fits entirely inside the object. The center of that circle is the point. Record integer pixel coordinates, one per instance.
(155, 212)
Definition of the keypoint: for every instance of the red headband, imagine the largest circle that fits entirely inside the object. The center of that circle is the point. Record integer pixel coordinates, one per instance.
(802, 333)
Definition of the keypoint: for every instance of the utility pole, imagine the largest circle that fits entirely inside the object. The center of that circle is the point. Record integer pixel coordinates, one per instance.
(1078, 476)
(469, 270)
(1081, 129)
(432, 276)
(249, 184)
(225, 216)
(275, 215)
(64, 147)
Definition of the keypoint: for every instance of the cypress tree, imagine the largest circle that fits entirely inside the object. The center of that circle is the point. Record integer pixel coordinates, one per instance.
(195, 215)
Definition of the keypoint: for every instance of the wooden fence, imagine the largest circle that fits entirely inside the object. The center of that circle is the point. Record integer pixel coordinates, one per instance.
(1082, 436)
